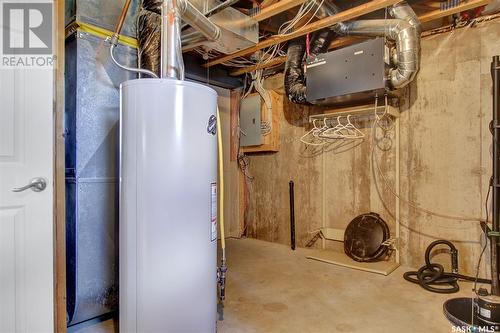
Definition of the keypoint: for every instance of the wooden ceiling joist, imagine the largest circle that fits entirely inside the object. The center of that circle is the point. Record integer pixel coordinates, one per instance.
(337, 43)
(438, 13)
(274, 62)
(345, 15)
(276, 8)
(344, 41)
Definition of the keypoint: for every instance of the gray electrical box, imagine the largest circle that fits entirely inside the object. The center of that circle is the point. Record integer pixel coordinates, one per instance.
(250, 130)
(354, 73)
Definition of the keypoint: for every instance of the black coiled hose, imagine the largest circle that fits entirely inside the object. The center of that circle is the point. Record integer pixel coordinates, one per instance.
(432, 276)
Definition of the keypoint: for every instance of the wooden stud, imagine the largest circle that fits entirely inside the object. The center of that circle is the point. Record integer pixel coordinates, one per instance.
(242, 207)
(235, 99)
(59, 174)
(312, 27)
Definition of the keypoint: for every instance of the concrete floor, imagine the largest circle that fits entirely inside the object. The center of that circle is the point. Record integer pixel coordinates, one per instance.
(272, 289)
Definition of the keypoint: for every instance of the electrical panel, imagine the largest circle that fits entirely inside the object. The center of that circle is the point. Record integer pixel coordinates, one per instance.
(250, 130)
(351, 74)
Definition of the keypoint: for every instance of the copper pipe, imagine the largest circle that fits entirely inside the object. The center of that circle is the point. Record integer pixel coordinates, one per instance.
(123, 15)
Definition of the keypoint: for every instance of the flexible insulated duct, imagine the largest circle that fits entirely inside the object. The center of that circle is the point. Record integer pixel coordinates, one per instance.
(152, 5)
(295, 86)
(149, 36)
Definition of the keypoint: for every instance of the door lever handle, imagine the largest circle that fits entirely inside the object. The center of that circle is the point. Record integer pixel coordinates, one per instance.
(36, 185)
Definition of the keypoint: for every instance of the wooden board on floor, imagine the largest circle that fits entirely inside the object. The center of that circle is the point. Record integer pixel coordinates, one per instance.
(340, 259)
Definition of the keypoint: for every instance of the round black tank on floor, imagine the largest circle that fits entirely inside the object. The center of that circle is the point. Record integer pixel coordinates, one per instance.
(461, 313)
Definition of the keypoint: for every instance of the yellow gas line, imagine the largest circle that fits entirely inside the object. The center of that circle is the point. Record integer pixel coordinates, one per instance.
(221, 186)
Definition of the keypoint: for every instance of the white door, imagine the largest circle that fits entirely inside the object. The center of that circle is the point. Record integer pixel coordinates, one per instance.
(26, 217)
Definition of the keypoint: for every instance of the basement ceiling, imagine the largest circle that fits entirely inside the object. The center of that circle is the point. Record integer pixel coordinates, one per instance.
(433, 14)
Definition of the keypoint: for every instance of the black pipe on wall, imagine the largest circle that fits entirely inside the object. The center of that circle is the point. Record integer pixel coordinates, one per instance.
(292, 214)
(495, 74)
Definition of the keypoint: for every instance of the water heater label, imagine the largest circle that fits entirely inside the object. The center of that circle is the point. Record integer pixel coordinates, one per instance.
(213, 211)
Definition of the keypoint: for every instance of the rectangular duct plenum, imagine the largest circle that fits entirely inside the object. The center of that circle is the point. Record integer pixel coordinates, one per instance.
(92, 150)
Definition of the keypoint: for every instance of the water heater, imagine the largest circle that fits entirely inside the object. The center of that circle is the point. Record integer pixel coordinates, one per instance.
(168, 207)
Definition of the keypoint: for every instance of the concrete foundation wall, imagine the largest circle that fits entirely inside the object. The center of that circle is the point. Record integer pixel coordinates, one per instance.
(445, 162)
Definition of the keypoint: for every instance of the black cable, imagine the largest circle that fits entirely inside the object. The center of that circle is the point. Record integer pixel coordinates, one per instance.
(432, 276)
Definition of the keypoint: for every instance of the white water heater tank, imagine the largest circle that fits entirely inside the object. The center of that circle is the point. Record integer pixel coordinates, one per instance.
(168, 207)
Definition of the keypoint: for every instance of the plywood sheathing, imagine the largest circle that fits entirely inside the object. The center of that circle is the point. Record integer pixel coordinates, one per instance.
(445, 159)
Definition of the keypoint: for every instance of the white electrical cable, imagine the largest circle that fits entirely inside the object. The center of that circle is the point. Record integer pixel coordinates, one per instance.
(258, 81)
(130, 69)
(268, 55)
(378, 119)
(286, 28)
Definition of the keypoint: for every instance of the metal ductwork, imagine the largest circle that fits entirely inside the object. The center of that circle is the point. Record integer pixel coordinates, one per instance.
(295, 86)
(226, 30)
(198, 21)
(404, 30)
(172, 65)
